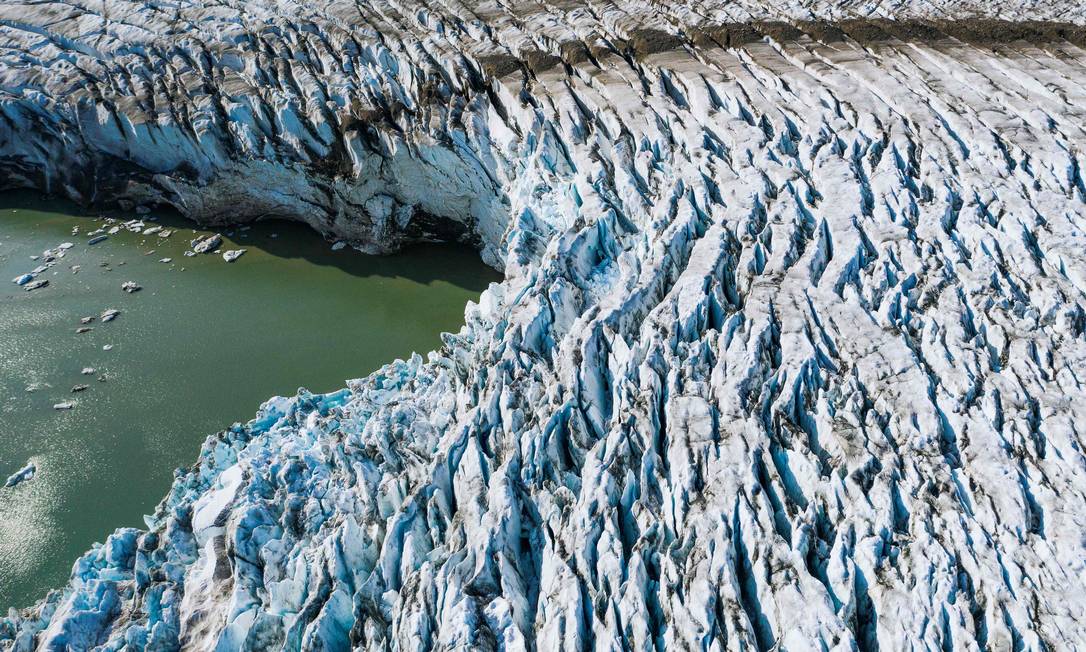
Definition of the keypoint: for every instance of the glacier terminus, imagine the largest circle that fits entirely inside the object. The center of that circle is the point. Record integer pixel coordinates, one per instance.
(789, 352)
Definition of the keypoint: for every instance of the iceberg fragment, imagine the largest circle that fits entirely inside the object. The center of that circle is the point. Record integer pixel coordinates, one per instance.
(22, 475)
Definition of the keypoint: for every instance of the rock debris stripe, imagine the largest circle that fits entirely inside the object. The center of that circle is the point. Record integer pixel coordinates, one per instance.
(788, 355)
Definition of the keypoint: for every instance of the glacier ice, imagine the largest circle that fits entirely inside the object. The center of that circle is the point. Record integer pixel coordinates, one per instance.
(787, 354)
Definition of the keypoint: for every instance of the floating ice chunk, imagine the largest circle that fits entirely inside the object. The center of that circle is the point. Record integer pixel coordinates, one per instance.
(63, 405)
(165, 260)
(23, 279)
(79, 388)
(151, 230)
(22, 475)
(339, 245)
(99, 238)
(83, 329)
(88, 371)
(40, 283)
(232, 255)
(107, 347)
(131, 286)
(206, 244)
(110, 315)
(64, 246)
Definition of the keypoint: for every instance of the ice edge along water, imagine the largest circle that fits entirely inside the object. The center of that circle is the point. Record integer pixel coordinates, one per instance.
(787, 355)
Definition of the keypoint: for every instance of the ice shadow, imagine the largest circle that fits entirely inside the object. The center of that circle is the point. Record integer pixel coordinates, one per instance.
(425, 263)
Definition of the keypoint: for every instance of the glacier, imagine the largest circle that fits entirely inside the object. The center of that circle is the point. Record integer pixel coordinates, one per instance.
(786, 356)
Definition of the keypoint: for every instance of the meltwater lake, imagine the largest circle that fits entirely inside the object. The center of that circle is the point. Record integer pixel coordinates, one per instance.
(200, 346)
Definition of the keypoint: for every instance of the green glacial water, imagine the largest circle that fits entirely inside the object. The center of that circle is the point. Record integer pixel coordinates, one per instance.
(192, 352)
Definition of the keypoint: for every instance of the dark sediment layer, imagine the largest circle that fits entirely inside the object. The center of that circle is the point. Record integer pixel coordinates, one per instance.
(978, 32)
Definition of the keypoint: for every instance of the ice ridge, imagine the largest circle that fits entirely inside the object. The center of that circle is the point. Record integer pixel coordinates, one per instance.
(787, 354)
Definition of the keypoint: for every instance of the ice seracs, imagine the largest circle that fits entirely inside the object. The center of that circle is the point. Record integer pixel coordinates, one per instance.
(787, 355)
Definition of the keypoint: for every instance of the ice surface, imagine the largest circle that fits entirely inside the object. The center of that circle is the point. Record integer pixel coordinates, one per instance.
(22, 475)
(787, 356)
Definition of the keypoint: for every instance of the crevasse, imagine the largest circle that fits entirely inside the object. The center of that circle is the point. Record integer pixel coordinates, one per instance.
(787, 356)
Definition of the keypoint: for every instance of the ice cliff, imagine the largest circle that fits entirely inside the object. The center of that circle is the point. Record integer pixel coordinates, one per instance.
(787, 356)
